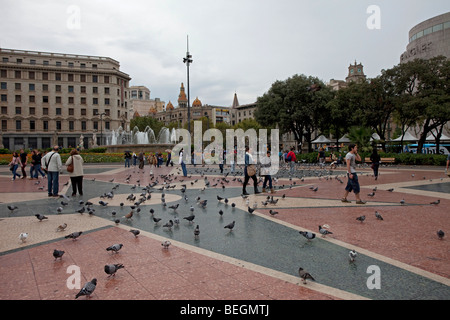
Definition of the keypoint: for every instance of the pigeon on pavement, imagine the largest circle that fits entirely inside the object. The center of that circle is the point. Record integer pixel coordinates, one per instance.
(190, 218)
(441, 234)
(88, 289)
(74, 235)
(168, 224)
(23, 237)
(135, 232)
(111, 269)
(436, 202)
(324, 231)
(62, 227)
(378, 215)
(197, 231)
(230, 226)
(352, 255)
(304, 275)
(115, 247)
(308, 235)
(361, 218)
(40, 217)
(58, 254)
(12, 208)
(166, 244)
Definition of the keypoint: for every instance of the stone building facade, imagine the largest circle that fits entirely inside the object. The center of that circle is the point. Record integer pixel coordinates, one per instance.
(53, 98)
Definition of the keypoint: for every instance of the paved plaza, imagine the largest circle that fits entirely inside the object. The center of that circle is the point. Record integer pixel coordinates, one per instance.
(399, 257)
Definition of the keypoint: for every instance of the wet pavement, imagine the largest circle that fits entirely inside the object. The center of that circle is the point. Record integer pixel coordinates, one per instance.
(399, 257)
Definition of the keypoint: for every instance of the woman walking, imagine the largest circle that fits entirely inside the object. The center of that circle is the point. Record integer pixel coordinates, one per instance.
(181, 162)
(375, 158)
(76, 176)
(248, 162)
(15, 162)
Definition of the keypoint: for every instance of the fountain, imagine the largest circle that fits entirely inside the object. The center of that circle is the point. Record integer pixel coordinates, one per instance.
(119, 140)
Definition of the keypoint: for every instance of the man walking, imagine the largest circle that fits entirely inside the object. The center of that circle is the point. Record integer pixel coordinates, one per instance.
(352, 182)
(52, 163)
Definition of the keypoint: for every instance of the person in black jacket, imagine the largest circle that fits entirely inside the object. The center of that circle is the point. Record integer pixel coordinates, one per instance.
(375, 158)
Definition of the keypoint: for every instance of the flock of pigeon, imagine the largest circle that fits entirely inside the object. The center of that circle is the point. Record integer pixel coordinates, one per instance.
(168, 179)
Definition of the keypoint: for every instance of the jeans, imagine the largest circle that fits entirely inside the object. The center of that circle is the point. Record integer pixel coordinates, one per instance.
(14, 171)
(267, 178)
(53, 183)
(35, 170)
(183, 167)
(127, 162)
(291, 167)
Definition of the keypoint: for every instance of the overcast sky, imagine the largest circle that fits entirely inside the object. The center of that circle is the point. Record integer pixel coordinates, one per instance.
(237, 46)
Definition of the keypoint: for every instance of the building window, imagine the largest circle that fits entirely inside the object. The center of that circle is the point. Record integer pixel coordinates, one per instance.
(44, 75)
(107, 101)
(83, 89)
(71, 125)
(45, 125)
(58, 88)
(3, 86)
(95, 101)
(4, 110)
(32, 61)
(31, 75)
(95, 125)
(94, 66)
(45, 63)
(83, 100)
(3, 73)
(17, 86)
(106, 79)
(70, 64)
(45, 87)
(107, 125)
(94, 89)
(32, 110)
(19, 61)
(32, 125)
(83, 112)
(94, 78)
(31, 87)
(5, 60)
(106, 90)
(58, 125)
(18, 125)
(4, 98)
(18, 98)
(4, 125)
(71, 89)
(45, 99)
(17, 74)
(58, 63)
(71, 111)
(58, 111)
(32, 99)
(107, 112)
(82, 65)
(82, 78)
(83, 125)
(45, 111)
(70, 77)
(18, 110)
(71, 100)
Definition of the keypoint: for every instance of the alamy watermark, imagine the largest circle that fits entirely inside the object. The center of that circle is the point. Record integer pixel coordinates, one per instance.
(235, 140)
(73, 21)
(373, 22)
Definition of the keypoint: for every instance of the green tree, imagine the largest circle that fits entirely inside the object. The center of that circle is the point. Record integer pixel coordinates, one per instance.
(296, 104)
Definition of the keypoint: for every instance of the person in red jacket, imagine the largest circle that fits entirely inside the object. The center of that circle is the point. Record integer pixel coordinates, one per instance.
(291, 159)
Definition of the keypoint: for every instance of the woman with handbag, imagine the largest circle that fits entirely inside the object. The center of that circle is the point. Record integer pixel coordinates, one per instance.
(75, 168)
(14, 164)
(249, 172)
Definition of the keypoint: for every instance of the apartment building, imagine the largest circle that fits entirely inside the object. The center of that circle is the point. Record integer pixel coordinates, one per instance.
(55, 98)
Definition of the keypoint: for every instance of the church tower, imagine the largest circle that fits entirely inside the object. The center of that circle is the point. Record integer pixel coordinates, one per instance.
(355, 73)
(182, 99)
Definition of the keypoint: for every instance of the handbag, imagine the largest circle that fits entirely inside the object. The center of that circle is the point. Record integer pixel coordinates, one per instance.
(251, 170)
(70, 166)
(11, 167)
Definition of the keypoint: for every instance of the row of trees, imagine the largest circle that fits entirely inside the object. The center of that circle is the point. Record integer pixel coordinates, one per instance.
(416, 93)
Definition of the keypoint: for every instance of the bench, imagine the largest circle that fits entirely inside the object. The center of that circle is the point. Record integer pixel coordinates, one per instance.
(382, 160)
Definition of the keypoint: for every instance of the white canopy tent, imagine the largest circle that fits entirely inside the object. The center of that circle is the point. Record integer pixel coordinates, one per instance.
(443, 138)
(407, 137)
(321, 139)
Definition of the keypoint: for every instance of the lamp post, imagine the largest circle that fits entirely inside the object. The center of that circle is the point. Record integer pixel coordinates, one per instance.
(101, 125)
(188, 60)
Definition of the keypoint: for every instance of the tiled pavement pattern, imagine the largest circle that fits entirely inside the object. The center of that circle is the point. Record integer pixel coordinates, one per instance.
(258, 260)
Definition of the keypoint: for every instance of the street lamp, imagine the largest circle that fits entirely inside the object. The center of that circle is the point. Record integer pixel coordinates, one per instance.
(188, 60)
(101, 125)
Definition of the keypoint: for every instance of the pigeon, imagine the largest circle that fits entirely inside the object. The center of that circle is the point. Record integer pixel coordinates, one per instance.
(135, 232)
(391, 189)
(82, 210)
(378, 215)
(156, 220)
(74, 235)
(221, 212)
(197, 231)
(174, 207)
(436, 202)
(352, 255)
(219, 198)
(371, 194)
(111, 269)
(64, 203)
(230, 226)
(273, 212)
(59, 209)
(58, 254)
(304, 275)
(402, 202)
(441, 234)
(308, 235)
(40, 217)
(129, 215)
(250, 210)
(315, 189)
(62, 227)
(324, 232)
(361, 218)
(233, 205)
(88, 289)
(12, 208)
(168, 224)
(103, 203)
(166, 244)
(190, 218)
(115, 247)
(23, 237)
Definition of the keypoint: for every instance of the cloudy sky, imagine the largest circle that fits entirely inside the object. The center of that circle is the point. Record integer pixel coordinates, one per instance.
(237, 46)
